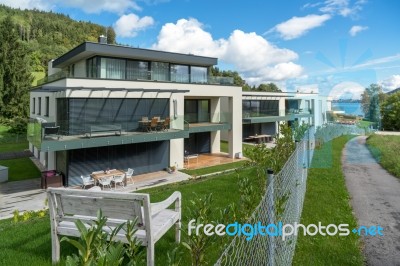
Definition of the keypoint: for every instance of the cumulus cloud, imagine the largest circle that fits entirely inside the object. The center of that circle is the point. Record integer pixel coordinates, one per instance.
(391, 83)
(298, 26)
(93, 6)
(253, 56)
(356, 29)
(347, 90)
(129, 25)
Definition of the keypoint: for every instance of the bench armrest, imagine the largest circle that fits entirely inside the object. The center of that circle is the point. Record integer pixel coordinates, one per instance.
(159, 206)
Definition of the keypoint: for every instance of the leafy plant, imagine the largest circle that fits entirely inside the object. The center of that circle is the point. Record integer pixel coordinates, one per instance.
(200, 211)
(97, 247)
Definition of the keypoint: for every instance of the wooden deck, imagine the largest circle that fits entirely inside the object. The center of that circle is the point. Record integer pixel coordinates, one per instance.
(209, 159)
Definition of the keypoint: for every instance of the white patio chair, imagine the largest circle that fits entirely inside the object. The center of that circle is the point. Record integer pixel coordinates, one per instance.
(129, 175)
(87, 181)
(105, 181)
(118, 179)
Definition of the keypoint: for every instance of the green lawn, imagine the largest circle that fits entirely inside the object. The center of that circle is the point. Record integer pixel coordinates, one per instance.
(8, 147)
(224, 147)
(214, 169)
(20, 169)
(327, 201)
(28, 243)
(385, 149)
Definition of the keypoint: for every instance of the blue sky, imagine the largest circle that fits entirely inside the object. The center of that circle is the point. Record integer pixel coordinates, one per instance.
(336, 46)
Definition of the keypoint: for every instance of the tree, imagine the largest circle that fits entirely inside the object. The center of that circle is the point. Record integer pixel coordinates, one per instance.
(270, 87)
(111, 35)
(371, 99)
(390, 111)
(15, 75)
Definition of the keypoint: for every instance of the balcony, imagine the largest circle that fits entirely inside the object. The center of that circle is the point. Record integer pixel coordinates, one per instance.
(53, 136)
(148, 76)
(208, 122)
(267, 116)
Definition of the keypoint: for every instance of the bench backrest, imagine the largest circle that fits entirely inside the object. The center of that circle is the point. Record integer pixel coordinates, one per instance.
(114, 205)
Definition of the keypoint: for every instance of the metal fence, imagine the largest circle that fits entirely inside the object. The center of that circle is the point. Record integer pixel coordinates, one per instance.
(282, 202)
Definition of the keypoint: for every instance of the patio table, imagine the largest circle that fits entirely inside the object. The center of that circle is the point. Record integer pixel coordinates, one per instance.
(112, 173)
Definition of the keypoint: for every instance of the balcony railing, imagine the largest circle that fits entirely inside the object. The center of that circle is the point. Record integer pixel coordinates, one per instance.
(267, 113)
(148, 76)
(218, 117)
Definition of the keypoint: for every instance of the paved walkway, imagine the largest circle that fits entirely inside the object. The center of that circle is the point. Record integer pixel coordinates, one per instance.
(375, 198)
(27, 195)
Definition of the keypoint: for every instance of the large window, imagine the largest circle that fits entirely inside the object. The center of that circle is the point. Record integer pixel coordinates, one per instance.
(126, 69)
(111, 68)
(33, 105)
(180, 73)
(137, 70)
(92, 68)
(197, 111)
(255, 108)
(39, 106)
(47, 106)
(198, 74)
(75, 115)
(159, 71)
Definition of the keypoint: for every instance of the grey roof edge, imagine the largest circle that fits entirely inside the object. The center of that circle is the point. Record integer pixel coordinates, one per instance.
(57, 89)
(132, 52)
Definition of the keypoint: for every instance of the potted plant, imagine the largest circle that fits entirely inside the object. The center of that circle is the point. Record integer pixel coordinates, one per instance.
(171, 169)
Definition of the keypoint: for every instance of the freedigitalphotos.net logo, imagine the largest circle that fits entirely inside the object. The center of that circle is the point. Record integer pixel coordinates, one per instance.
(280, 230)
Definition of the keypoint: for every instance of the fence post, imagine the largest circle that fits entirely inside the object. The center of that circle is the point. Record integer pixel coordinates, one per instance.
(271, 207)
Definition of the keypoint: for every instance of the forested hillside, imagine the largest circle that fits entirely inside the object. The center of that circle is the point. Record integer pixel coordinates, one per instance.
(48, 35)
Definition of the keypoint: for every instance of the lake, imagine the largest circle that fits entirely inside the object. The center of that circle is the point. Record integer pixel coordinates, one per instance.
(348, 108)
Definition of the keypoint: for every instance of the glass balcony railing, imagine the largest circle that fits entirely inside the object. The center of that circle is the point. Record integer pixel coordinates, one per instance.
(147, 76)
(219, 117)
(267, 113)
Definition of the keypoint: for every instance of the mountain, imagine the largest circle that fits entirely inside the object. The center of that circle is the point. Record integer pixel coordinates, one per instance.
(48, 35)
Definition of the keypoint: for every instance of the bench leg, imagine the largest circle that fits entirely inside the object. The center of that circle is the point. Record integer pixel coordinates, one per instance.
(150, 254)
(178, 231)
(55, 248)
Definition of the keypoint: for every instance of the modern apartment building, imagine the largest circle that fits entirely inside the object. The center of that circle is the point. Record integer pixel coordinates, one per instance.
(95, 108)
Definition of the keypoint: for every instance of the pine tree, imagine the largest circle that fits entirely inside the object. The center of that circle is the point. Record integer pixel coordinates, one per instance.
(15, 74)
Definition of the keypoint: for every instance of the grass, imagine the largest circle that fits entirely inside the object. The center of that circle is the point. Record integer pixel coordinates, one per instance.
(327, 201)
(28, 243)
(214, 169)
(224, 147)
(21, 168)
(385, 149)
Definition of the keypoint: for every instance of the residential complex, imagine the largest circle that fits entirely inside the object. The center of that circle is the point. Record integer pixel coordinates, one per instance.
(107, 106)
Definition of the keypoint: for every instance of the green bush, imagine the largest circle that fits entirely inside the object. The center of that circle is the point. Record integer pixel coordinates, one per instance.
(18, 125)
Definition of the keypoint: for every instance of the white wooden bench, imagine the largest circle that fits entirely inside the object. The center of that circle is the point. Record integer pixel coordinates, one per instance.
(153, 219)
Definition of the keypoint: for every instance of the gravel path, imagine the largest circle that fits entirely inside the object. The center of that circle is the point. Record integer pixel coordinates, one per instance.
(375, 200)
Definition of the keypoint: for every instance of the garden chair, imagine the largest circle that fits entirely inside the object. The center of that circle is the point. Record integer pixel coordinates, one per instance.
(86, 181)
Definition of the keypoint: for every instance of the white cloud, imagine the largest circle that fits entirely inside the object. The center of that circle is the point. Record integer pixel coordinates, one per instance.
(92, 6)
(298, 26)
(256, 59)
(342, 7)
(356, 29)
(347, 90)
(28, 4)
(129, 25)
(391, 83)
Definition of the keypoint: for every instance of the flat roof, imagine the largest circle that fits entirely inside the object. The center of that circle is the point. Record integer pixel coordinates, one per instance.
(57, 89)
(89, 49)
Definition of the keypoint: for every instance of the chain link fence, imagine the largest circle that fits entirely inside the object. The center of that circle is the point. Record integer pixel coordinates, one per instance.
(282, 203)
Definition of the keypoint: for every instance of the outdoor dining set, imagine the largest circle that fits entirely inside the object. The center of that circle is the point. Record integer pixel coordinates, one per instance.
(154, 124)
(107, 178)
